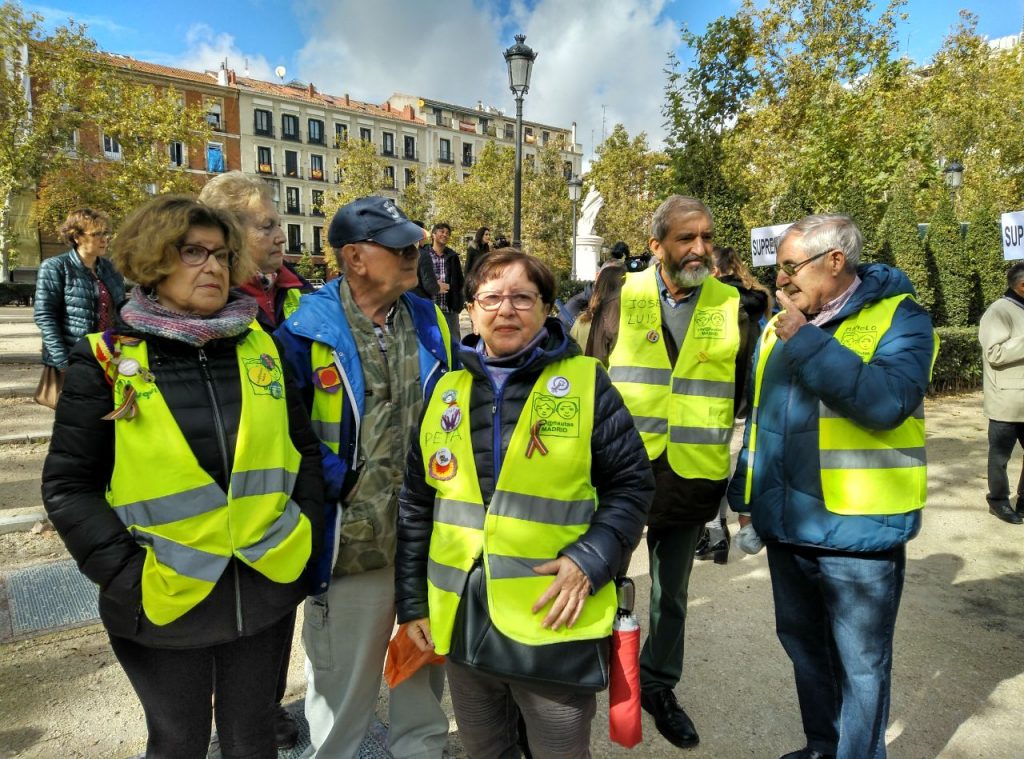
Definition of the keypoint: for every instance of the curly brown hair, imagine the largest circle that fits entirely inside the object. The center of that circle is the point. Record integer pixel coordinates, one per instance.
(146, 247)
(81, 221)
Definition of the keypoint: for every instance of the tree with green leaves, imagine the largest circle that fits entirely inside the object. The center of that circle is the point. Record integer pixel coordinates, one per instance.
(957, 273)
(45, 92)
(985, 246)
(417, 198)
(361, 171)
(86, 178)
(900, 243)
(633, 180)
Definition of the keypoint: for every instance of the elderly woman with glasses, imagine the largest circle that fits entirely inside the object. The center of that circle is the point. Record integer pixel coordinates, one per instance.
(525, 494)
(185, 480)
(79, 291)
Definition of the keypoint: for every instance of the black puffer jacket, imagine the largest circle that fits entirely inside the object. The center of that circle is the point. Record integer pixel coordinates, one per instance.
(80, 463)
(620, 471)
(67, 302)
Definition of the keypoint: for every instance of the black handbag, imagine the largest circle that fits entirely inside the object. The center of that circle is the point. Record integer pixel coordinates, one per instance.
(580, 664)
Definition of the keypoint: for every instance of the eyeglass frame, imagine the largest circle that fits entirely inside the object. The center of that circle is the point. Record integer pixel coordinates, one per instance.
(790, 270)
(506, 296)
(228, 264)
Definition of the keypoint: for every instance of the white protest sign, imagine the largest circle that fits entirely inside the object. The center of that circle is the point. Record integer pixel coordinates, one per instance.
(1013, 235)
(764, 243)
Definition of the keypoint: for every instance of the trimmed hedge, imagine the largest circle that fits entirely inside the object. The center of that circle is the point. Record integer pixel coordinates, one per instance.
(958, 366)
(20, 293)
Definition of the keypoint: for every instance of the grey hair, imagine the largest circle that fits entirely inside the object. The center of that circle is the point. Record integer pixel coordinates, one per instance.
(236, 192)
(1015, 274)
(675, 204)
(826, 231)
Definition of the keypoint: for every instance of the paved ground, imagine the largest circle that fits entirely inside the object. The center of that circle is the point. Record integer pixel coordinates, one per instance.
(959, 663)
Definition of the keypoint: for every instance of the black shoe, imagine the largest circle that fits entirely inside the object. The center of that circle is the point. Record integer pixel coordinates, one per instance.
(669, 717)
(806, 753)
(1005, 512)
(703, 550)
(286, 732)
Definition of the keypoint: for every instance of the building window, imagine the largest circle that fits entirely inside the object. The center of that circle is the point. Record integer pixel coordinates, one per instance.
(318, 245)
(291, 163)
(71, 146)
(445, 155)
(213, 115)
(528, 135)
(510, 132)
(544, 137)
(111, 148)
(316, 168)
(264, 160)
(410, 177)
(317, 208)
(290, 127)
(214, 158)
(263, 122)
(294, 238)
(389, 178)
(291, 200)
(365, 134)
(467, 154)
(316, 131)
(340, 134)
(410, 147)
(388, 144)
(179, 155)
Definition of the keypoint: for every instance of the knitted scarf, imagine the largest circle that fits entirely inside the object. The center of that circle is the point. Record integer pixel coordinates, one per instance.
(149, 317)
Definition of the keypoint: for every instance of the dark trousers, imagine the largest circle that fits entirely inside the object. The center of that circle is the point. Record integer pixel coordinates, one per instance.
(671, 558)
(453, 325)
(835, 615)
(180, 689)
(1002, 437)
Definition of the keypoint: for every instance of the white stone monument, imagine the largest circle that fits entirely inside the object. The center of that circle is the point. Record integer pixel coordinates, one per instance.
(588, 245)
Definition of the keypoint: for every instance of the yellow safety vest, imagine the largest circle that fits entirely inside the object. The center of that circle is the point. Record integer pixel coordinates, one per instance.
(189, 527)
(689, 407)
(541, 504)
(862, 471)
(292, 296)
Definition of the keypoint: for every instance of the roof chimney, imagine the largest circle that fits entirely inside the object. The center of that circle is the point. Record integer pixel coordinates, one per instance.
(222, 76)
(387, 106)
(407, 113)
(346, 99)
(232, 79)
(311, 90)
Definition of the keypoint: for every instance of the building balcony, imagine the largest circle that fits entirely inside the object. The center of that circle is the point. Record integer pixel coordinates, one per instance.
(267, 169)
(411, 155)
(294, 209)
(446, 158)
(388, 152)
(313, 140)
(268, 132)
(316, 211)
(468, 160)
(292, 136)
(294, 172)
(318, 175)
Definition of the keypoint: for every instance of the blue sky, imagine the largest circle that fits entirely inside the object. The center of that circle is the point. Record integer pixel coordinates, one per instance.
(600, 61)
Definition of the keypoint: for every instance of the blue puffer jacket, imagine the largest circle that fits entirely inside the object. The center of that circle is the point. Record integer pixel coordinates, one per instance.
(320, 318)
(67, 303)
(786, 499)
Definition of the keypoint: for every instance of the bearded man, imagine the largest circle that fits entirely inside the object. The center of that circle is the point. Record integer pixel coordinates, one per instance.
(677, 356)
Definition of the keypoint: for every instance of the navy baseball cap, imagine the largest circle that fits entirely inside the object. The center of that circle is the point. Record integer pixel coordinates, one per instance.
(373, 219)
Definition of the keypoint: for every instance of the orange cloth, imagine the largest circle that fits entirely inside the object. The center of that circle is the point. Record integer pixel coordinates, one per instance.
(624, 686)
(404, 658)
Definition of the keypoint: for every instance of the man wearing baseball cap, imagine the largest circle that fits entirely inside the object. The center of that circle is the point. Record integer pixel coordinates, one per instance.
(365, 354)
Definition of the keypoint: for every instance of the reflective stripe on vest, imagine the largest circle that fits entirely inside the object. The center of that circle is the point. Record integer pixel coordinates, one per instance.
(862, 471)
(540, 505)
(688, 408)
(188, 525)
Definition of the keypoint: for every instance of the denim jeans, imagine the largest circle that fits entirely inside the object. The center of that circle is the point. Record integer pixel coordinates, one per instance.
(1002, 438)
(835, 614)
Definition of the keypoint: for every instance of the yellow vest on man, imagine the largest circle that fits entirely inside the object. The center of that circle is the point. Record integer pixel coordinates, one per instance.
(542, 502)
(189, 527)
(862, 471)
(687, 408)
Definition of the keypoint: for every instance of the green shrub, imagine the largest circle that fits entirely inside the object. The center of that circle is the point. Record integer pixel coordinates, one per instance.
(19, 293)
(958, 366)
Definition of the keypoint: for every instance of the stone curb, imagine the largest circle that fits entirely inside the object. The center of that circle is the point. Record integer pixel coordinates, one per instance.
(23, 390)
(39, 436)
(21, 358)
(21, 522)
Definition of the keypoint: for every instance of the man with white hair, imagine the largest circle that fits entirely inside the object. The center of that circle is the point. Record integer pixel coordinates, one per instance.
(832, 473)
(677, 358)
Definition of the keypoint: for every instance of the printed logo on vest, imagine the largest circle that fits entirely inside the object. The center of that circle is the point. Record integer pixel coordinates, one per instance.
(860, 339)
(264, 376)
(561, 416)
(709, 324)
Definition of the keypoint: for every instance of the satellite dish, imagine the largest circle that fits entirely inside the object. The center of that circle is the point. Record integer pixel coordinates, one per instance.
(280, 71)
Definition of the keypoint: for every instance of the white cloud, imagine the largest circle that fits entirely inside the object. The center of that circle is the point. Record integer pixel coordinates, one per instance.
(205, 50)
(605, 52)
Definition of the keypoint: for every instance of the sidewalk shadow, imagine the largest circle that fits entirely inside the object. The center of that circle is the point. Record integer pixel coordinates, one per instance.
(956, 642)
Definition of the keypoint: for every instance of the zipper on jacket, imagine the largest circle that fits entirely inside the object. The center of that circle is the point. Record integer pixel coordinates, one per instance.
(222, 445)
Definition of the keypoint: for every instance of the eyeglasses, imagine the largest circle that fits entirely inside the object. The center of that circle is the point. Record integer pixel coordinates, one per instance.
(197, 255)
(520, 301)
(790, 270)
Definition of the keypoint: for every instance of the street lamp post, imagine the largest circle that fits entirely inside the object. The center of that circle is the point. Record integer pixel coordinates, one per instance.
(520, 58)
(575, 186)
(953, 174)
